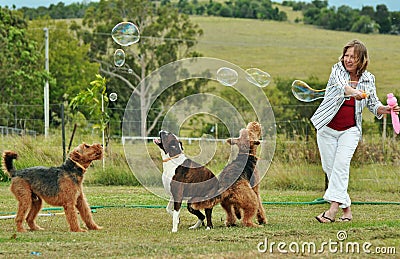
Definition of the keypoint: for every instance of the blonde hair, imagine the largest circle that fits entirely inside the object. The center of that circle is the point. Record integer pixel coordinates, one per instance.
(361, 55)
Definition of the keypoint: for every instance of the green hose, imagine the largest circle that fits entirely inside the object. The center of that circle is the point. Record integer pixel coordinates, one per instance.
(314, 202)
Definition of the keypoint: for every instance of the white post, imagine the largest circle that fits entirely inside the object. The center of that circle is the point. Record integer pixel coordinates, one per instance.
(46, 84)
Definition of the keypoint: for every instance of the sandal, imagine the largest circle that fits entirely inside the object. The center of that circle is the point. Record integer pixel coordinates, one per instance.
(325, 217)
(344, 219)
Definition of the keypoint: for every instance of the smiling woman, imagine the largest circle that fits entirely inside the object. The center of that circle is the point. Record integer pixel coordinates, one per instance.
(338, 124)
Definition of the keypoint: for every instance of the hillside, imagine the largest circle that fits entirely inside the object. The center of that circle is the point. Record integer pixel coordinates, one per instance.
(290, 50)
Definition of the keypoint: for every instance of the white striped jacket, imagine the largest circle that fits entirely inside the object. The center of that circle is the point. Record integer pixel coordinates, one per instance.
(334, 97)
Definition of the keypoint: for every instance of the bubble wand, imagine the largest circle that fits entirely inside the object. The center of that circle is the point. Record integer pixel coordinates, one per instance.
(392, 101)
(303, 92)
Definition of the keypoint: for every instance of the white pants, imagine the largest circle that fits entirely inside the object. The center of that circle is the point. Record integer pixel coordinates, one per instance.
(336, 149)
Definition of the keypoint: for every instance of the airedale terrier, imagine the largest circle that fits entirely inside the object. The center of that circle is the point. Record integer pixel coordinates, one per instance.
(58, 186)
(243, 197)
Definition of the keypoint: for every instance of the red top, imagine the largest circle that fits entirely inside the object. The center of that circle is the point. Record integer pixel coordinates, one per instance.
(345, 118)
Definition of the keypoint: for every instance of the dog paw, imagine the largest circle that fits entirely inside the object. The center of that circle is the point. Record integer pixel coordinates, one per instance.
(251, 225)
(208, 228)
(37, 228)
(95, 227)
(197, 225)
(174, 230)
(228, 224)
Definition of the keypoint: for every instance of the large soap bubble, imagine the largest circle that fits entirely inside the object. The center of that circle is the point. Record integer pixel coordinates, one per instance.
(125, 33)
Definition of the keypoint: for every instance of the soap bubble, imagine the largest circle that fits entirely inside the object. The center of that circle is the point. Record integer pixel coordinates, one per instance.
(227, 76)
(119, 57)
(258, 77)
(113, 97)
(125, 33)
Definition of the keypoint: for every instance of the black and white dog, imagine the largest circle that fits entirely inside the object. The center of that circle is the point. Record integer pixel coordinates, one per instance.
(184, 179)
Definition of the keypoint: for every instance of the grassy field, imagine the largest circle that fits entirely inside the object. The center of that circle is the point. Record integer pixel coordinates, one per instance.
(146, 232)
(290, 50)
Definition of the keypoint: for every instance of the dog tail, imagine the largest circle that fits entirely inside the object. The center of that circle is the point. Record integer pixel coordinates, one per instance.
(8, 166)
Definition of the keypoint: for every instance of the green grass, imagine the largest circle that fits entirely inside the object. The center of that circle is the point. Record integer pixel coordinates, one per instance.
(290, 50)
(146, 232)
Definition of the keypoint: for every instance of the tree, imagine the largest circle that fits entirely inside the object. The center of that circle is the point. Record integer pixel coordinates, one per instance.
(311, 15)
(69, 64)
(382, 17)
(363, 25)
(95, 103)
(320, 4)
(166, 36)
(368, 10)
(21, 74)
(345, 17)
(395, 17)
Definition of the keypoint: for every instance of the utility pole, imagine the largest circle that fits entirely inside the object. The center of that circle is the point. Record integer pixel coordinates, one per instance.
(46, 84)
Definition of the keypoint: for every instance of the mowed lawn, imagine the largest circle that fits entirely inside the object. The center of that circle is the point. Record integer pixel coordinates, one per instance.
(132, 231)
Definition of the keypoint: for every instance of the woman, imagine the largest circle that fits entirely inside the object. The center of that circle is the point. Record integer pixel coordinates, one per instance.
(338, 122)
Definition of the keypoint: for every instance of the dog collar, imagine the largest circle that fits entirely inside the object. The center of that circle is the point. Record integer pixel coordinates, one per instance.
(79, 165)
(170, 158)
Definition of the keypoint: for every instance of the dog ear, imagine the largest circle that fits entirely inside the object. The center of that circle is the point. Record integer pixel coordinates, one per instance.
(75, 155)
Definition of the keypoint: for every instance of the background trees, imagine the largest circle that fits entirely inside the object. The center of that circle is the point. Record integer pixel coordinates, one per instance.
(345, 18)
(69, 65)
(21, 73)
(166, 36)
(79, 50)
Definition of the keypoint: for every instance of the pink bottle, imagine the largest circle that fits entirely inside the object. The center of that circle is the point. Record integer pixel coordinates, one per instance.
(392, 101)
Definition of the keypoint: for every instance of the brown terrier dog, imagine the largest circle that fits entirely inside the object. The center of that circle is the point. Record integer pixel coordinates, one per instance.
(58, 186)
(242, 197)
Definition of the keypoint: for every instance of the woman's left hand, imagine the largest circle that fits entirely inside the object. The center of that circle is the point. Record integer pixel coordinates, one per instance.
(387, 109)
(396, 109)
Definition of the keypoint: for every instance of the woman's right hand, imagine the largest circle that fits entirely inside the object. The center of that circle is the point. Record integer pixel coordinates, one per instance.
(356, 93)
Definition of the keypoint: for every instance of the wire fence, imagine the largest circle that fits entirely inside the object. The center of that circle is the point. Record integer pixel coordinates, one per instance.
(15, 131)
(379, 136)
(14, 119)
